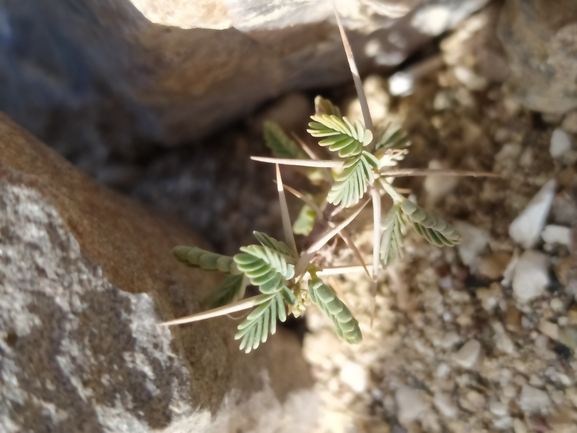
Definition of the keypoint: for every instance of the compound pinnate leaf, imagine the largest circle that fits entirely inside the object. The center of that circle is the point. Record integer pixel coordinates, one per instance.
(199, 258)
(230, 290)
(393, 139)
(342, 135)
(434, 229)
(266, 268)
(353, 182)
(325, 297)
(392, 239)
(273, 244)
(280, 144)
(261, 321)
(324, 106)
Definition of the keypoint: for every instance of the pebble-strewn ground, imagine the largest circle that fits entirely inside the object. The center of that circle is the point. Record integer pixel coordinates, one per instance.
(479, 338)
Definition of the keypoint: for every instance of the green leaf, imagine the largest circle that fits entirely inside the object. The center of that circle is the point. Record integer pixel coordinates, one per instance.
(325, 297)
(260, 322)
(353, 182)
(324, 106)
(281, 145)
(393, 139)
(392, 239)
(273, 244)
(305, 222)
(267, 268)
(199, 258)
(230, 290)
(342, 135)
(434, 229)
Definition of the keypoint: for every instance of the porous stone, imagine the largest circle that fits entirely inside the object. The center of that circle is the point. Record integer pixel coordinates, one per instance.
(540, 42)
(85, 278)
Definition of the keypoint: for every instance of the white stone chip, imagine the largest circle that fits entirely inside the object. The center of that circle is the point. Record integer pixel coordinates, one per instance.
(474, 241)
(561, 143)
(468, 355)
(355, 376)
(554, 234)
(445, 405)
(533, 400)
(410, 403)
(527, 227)
(531, 275)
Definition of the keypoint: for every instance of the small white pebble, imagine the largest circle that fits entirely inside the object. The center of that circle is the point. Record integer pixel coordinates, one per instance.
(443, 370)
(553, 234)
(533, 400)
(450, 339)
(527, 227)
(531, 275)
(468, 355)
(473, 242)
(560, 143)
(549, 329)
(355, 376)
(498, 409)
(557, 305)
(445, 405)
(410, 403)
(519, 426)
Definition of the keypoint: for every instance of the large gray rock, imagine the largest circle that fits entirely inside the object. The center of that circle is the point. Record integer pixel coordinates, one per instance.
(85, 278)
(540, 38)
(112, 74)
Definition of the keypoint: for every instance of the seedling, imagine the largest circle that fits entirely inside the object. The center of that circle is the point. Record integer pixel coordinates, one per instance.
(288, 281)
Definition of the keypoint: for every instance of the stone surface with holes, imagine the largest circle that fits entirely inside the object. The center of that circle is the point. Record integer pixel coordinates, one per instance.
(85, 277)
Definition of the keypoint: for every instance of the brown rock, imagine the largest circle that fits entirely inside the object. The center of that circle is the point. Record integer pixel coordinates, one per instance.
(493, 266)
(541, 43)
(85, 277)
(172, 71)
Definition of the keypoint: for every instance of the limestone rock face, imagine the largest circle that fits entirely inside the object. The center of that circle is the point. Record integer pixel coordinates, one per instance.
(85, 277)
(541, 43)
(115, 74)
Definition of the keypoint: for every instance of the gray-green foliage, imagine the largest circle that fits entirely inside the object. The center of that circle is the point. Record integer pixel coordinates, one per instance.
(280, 144)
(352, 184)
(325, 297)
(305, 221)
(231, 289)
(392, 238)
(199, 258)
(432, 228)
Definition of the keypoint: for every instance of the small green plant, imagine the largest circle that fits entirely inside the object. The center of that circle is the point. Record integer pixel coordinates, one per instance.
(288, 282)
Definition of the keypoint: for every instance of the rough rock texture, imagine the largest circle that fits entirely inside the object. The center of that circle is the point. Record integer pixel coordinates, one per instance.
(85, 276)
(114, 74)
(541, 42)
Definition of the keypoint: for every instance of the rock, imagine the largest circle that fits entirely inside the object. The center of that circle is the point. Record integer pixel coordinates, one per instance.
(498, 409)
(410, 405)
(169, 72)
(437, 186)
(541, 47)
(526, 228)
(445, 405)
(570, 122)
(513, 318)
(474, 241)
(468, 355)
(519, 426)
(549, 329)
(553, 234)
(531, 275)
(561, 142)
(568, 336)
(493, 266)
(533, 400)
(564, 209)
(355, 376)
(450, 339)
(490, 297)
(86, 276)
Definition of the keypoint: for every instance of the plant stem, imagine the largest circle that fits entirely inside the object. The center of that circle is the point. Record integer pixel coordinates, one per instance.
(389, 189)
